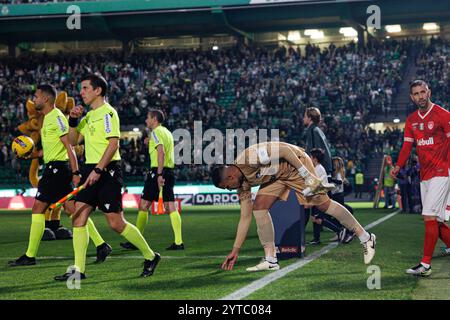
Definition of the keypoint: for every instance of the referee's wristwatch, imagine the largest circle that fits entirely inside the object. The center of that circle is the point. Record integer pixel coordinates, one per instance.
(76, 173)
(97, 170)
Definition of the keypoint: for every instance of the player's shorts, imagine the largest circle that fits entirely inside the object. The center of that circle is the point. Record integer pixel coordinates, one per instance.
(55, 183)
(281, 188)
(106, 193)
(151, 189)
(288, 179)
(434, 193)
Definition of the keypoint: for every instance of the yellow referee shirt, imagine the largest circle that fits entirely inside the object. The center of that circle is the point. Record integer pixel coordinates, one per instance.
(161, 135)
(55, 126)
(97, 127)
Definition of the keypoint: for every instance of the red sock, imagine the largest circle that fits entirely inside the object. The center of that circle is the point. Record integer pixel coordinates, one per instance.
(444, 233)
(431, 237)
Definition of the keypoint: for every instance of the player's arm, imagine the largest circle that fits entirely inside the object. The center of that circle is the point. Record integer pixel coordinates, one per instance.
(161, 155)
(72, 159)
(73, 136)
(242, 230)
(74, 126)
(446, 124)
(273, 151)
(113, 146)
(405, 151)
(317, 139)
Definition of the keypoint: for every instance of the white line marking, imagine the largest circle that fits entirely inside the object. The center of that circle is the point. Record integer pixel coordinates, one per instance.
(275, 275)
(132, 257)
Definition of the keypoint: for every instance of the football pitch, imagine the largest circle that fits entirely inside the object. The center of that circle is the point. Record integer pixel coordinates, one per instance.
(195, 274)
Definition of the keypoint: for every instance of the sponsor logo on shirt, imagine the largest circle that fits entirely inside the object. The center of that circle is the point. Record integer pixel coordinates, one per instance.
(423, 142)
(155, 137)
(107, 123)
(61, 124)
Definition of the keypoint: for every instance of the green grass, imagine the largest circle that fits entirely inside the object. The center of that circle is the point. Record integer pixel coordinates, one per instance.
(195, 273)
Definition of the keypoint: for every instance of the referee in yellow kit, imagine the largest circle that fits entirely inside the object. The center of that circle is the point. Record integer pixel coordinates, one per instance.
(101, 175)
(61, 170)
(162, 163)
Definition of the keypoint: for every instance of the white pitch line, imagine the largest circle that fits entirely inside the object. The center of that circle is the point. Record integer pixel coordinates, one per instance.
(275, 275)
(133, 257)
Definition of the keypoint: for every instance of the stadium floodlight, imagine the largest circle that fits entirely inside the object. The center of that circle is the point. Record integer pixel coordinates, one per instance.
(318, 35)
(430, 26)
(215, 48)
(309, 32)
(348, 32)
(294, 36)
(136, 129)
(396, 120)
(393, 28)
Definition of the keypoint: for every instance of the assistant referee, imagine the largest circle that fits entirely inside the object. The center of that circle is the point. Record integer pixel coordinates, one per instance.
(162, 163)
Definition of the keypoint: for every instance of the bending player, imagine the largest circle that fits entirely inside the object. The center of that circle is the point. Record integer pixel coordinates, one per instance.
(429, 129)
(57, 177)
(278, 167)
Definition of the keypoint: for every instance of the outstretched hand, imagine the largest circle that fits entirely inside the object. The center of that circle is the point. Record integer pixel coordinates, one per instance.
(230, 260)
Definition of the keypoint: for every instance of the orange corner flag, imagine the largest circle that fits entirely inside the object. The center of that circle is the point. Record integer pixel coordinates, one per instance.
(160, 203)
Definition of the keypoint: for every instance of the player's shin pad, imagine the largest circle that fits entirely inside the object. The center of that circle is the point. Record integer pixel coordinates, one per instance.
(265, 228)
(344, 216)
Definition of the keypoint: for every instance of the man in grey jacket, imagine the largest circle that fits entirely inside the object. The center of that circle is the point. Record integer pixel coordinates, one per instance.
(315, 138)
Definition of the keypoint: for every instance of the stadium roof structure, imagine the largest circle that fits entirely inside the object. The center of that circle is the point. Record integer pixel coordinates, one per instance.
(134, 19)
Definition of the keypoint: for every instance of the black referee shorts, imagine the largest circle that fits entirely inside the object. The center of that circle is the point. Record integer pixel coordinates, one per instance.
(106, 193)
(55, 183)
(151, 190)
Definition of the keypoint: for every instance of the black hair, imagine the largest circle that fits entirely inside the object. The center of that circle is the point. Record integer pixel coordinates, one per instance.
(47, 89)
(158, 114)
(97, 81)
(417, 83)
(217, 175)
(318, 153)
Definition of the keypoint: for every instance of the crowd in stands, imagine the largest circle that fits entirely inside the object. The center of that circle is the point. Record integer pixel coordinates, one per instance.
(433, 65)
(239, 87)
